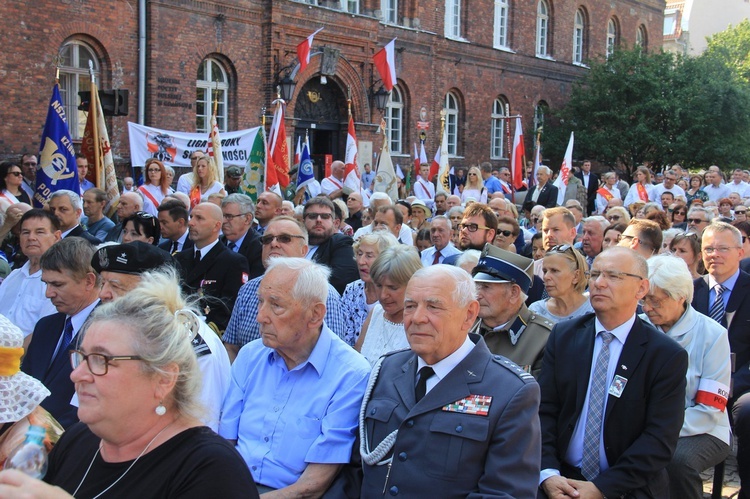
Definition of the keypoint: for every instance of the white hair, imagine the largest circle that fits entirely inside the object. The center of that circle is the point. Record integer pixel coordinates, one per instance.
(465, 290)
(545, 169)
(312, 278)
(75, 199)
(671, 275)
(468, 257)
(598, 219)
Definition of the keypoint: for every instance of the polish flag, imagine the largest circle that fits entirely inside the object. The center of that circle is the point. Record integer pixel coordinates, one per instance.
(516, 163)
(385, 61)
(351, 173)
(277, 160)
(416, 160)
(562, 179)
(298, 151)
(303, 51)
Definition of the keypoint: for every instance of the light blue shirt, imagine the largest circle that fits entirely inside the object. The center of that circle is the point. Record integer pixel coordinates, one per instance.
(729, 284)
(283, 420)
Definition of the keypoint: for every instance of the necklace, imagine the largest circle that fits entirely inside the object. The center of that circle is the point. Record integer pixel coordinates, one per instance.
(98, 451)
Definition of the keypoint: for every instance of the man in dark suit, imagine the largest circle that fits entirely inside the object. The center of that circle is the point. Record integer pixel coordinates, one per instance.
(591, 183)
(238, 233)
(462, 413)
(722, 252)
(73, 288)
(129, 203)
(543, 193)
(327, 246)
(212, 271)
(613, 392)
(173, 222)
(66, 206)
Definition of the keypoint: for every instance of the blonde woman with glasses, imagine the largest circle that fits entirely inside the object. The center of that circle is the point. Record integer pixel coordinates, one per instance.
(564, 278)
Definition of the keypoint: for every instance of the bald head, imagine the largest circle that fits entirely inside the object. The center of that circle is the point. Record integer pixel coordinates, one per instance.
(205, 224)
(129, 203)
(337, 169)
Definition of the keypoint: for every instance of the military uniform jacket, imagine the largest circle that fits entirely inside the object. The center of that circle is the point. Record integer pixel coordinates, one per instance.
(455, 442)
(217, 279)
(523, 343)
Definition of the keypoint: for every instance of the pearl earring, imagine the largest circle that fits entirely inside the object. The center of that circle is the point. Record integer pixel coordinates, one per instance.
(160, 409)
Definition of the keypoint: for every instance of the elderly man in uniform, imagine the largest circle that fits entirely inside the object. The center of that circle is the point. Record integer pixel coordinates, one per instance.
(123, 267)
(292, 405)
(447, 418)
(507, 326)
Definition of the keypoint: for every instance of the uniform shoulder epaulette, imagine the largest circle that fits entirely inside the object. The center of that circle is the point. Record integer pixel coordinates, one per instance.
(200, 347)
(541, 321)
(514, 368)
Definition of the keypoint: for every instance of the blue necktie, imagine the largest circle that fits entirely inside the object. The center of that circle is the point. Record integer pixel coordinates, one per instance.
(597, 393)
(67, 338)
(232, 246)
(717, 309)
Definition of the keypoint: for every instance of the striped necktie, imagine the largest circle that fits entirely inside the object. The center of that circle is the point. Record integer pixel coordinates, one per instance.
(597, 393)
(717, 309)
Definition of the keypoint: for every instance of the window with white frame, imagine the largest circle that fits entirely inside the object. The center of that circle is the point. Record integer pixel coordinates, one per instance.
(670, 22)
(75, 77)
(611, 36)
(451, 122)
(389, 9)
(498, 129)
(542, 29)
(641, 40)
(501, 24)
(350, 6)
(394, 115)
(579, 32)
(212, 86)
(453, 18)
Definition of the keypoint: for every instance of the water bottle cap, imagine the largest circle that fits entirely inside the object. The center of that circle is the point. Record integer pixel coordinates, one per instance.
(36, 433)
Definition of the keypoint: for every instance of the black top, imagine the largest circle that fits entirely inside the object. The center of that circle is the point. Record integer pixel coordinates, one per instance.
(196, 463)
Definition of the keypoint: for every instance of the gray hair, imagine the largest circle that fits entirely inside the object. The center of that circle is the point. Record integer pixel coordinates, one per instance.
(445, 219)
(342, 206)
(244, 202)
(311, 285)
(72, 255)
(380, 239)
(465, 291)
(598, 219)
(709, 214)
(75, 199)
(438, 193)
(671, 275)
(397, 263)
(160, 337)
(468, 257)
(456, 210)
(716, 226)
(282, 218)
(169, 170)
(545, 169)
(379, 196)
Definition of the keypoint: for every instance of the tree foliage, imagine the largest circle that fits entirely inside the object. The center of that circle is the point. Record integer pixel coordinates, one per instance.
(732, 46)
(655, 108)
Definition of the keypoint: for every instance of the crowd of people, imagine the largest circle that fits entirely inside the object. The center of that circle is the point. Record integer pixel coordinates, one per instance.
(192, 341)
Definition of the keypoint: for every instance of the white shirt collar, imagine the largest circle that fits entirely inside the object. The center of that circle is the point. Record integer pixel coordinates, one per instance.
(443, 367)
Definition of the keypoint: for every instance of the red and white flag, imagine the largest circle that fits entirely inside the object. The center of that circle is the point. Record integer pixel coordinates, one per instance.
(422, 154)
(385, 61)
(277, 163)
(303, 50)
(351, 173)
(214, 149)
(562, 179)
(298, 151)
(440, 165)
(416, 160)
(519, 152)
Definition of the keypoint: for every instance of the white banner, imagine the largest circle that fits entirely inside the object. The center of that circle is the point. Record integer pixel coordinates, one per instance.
(174, 148)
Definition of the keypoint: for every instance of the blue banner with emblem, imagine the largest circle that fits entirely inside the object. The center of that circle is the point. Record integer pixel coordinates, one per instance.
(57, 168)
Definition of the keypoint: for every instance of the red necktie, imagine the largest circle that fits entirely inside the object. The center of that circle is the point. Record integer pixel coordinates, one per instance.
(436, 260)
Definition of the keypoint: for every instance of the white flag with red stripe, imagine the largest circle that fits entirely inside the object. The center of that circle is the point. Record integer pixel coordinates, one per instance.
(562, 179)
(298, 151)
(385, 61)
(214, 148)
(351, 173)
(303, 50)
(519, 152)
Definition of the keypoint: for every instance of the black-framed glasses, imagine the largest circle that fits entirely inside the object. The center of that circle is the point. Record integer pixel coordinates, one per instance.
(696, 221)
(472, 227)
(614, 217)
(564, 248)
(267, 239)
(98, 363)
(315, 216)
(229, 217)
(17, 174)
(610, 275)
(146, 217)
(740, 212)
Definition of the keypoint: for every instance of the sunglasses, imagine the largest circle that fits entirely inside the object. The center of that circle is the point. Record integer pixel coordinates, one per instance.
(17, 174)
(696, 221)
(282, 238)
(505, 233)
(739, 212)
(315, 216)
(564, 248)
(613, 217)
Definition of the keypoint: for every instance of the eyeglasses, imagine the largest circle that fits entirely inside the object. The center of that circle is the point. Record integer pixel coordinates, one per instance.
(145, 217)
(564, 248)
(627, 237)
(98, 363)
(739, 212)
(722, 250)
(650, 302)
(610, 275)
(17, 174)
(228, 217)
(472, 174)
(505, 233)
(282, 238)
(315, 216)
(472, 227)
(614, 217)
(696, 221)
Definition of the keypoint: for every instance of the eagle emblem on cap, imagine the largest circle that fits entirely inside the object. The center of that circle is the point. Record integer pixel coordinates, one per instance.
(103, 258)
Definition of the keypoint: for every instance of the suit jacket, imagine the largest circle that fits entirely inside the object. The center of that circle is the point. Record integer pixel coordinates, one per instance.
(590, 191)
(443, 451)
(114, 233)
(55, 375)
(217, 278)
(78, 231)
(641, 427)
(547, 197)
(738, 313)
(252, 249)
(338, 255)
(167, 245)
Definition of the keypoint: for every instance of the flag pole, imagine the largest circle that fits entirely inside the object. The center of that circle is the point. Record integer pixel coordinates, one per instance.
(94, 109)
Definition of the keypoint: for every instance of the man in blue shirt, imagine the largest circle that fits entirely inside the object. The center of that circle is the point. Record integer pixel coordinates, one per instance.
(294, 397)
(492, 184)
(284, 236)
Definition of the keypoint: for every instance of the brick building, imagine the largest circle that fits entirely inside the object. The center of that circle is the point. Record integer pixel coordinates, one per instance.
(471, 58)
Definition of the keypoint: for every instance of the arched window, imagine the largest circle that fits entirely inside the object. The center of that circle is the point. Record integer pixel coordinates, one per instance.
(498, 129)
(75, 77)
(542, 28)
(451, 122)
(641, 40)
(394, 115)
(579, 33)
(611, 36)
(501, 24)
(212, 86)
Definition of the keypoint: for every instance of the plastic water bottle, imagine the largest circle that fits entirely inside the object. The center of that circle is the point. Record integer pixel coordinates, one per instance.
(31, 456)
